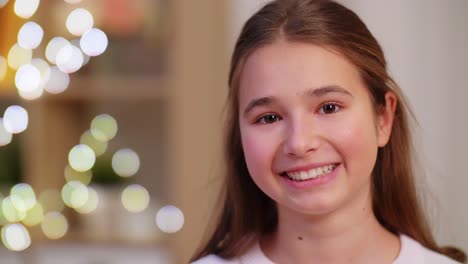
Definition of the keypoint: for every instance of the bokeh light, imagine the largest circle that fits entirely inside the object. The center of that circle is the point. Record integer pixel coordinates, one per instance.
(5, 136)
(16, 237)
(32, 95)
(30, 35)
(91, 204)
(26, 193)
(34, 216)
(76, 43)
(79, 21)
(75, 194)
(170, 219)
(54, 225)
(104, 127)
(15, 119)
(69, 59)
(53, 47)
(94, 42)
(81, 176)
(81, 158)
(19, 204)
(26, 8)
(99, 147)
(125, 162)
(3, 3)
(51, 200)
(10, 212)
(135, 198)
(3, 68)
(3, 220)
(43, 68)
(73, 1)
(28, 78)
(18, 56)
(58, 81)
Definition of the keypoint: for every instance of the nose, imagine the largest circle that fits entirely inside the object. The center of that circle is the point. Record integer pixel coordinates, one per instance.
(301, 138)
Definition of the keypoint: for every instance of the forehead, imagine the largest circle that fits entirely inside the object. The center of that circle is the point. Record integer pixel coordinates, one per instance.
(293, 67)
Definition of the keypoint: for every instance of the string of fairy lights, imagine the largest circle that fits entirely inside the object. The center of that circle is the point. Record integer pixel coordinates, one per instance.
(23, 209)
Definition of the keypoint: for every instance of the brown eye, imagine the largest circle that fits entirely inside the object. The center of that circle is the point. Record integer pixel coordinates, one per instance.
(268, 119)
(329, 108)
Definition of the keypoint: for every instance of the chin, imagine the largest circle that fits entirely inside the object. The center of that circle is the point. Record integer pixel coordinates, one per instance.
(318, 206)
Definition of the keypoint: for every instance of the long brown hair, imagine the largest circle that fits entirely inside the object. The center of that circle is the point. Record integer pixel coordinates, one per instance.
(246, 212)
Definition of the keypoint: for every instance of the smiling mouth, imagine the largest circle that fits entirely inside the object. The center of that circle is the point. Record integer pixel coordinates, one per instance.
(310, 174)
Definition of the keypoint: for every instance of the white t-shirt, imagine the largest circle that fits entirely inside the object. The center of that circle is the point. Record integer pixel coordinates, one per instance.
(411, 252)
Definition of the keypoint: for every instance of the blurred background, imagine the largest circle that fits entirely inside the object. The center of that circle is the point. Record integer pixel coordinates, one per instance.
(111, 120)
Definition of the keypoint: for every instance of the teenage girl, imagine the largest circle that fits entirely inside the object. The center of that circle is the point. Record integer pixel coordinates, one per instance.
(318, 148)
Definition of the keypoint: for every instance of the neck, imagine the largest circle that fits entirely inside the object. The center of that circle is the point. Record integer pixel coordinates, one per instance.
(344, 236)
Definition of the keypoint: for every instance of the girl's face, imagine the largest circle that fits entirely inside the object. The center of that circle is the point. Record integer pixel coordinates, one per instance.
(309, 130)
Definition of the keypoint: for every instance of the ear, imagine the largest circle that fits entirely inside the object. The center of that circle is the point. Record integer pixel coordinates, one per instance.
(385, 119)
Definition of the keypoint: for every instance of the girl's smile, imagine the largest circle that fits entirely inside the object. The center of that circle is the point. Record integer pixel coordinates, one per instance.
(307, 178)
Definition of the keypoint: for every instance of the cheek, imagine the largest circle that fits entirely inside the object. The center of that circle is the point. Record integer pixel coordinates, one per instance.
(259, 151)
(357, 142)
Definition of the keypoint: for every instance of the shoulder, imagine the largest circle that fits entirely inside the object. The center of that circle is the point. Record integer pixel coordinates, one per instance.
(432, 257)
(213, 259)
(413, 252)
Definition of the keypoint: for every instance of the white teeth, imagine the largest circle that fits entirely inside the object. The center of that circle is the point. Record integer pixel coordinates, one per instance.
(310, 174)
(320, 171)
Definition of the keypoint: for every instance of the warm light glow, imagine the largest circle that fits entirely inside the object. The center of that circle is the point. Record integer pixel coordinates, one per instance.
(170, 219)
(54, 225)
(5, 136)
(104, 127)
(99, 147)
(69, 59)
(125, 162)
(26, 8)
(79, 21)
(28, 78)
(18, 56)
(3, 68)
(58, 81)
(91, 204)
(30, 35)
(51, 200)
(135, 198)
(53, 47)
(75, 194)
(16, 237)
(73, 175)
(81, 158)
(15, 119)
(26, 193)
(34, 216)
(94, 42)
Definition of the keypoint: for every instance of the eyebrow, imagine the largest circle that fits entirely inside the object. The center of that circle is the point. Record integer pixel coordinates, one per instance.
(317, 92)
